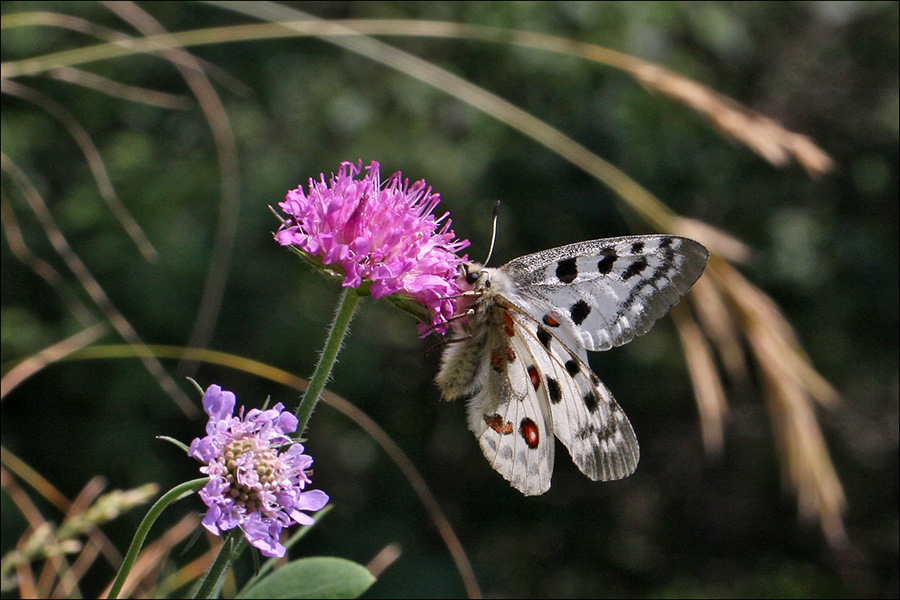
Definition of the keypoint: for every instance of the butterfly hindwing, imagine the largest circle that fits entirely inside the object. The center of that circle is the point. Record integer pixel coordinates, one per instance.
(511, 421)
(607, 292)
(585, 416)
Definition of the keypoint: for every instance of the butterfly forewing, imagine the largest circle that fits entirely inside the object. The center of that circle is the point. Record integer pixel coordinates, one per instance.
(610, 290)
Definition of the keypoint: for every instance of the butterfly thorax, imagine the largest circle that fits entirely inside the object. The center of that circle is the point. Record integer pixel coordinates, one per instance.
(485, 294)
(481, 314)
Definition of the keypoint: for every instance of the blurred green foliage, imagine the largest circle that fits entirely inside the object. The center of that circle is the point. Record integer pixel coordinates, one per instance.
(685, 524)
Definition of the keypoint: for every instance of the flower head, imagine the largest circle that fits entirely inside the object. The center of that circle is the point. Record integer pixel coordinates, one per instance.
(252, 484)
(382, 233)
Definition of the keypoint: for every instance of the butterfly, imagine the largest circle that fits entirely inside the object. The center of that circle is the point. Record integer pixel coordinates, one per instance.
(519, 352)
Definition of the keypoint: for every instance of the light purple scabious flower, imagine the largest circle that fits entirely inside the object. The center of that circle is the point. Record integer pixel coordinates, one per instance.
(382, 233)
(252, 485)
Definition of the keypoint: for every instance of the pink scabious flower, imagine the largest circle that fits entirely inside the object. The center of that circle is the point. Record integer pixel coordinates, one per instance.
(382, 233)
(252, 483)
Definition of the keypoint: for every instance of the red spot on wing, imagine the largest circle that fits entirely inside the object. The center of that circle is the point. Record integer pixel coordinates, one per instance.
(498, 359)
(550, 321)
(502, 355)
(535, 377)
(530, 433)
(496, 423)
(508, 324)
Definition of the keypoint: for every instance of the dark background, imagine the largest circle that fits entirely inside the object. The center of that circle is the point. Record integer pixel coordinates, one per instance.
(685, 524)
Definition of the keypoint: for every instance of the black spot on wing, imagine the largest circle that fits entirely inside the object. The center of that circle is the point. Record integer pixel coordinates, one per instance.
(567, 270)
(637, 247)
(635, 268)
(591, 400)
(589, 431)
(580, 311)
(572, 367)
(607, 260)
(543, 336)
(553, 390)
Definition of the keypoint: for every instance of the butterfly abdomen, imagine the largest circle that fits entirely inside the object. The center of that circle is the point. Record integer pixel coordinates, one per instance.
(463, 367)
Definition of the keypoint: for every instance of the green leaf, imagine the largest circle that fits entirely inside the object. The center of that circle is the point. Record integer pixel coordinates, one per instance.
(178, 443)
(316, 577)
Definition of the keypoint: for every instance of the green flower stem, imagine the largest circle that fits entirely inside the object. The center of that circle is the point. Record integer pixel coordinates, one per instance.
(176, 493)
(339, 328)
(232, 547)
(234, 544)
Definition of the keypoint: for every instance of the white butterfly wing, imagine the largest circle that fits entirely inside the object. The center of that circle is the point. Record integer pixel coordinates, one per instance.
(585, 416)
(512, 423)
(604, 293)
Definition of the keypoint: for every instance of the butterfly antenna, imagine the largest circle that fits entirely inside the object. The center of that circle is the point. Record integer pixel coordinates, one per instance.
(493, 232)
